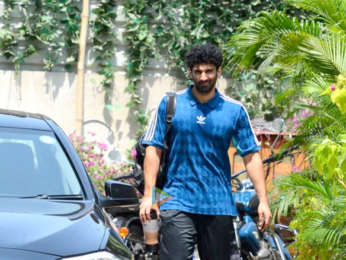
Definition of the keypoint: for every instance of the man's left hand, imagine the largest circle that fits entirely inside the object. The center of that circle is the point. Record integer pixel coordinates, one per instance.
(265, 216)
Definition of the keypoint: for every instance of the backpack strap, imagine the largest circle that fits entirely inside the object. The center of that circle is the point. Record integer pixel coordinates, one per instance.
(170, 110)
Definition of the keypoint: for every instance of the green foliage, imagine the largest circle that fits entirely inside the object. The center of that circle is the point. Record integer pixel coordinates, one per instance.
(329, 159)
(319, 210)
(308, 55)
(159, 30)
(338, 93)
(103, 39)
(51, 26)
(164, 30)
(92, 154)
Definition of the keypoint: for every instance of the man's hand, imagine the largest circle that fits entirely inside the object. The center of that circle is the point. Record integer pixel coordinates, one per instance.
(254, 167)
(265, 216)
(151, 168)
(145, 208)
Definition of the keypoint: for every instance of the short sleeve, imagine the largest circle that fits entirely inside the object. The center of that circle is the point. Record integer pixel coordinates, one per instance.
(156, 130)
(244, 138)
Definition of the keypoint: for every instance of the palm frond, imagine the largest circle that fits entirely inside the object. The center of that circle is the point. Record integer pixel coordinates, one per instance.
(259, 39)
(315, 85)
(326, 55)
(333, 12)
(321, 189)
(325, 226)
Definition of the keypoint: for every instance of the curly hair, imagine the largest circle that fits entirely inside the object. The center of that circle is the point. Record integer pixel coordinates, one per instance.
(203, 54)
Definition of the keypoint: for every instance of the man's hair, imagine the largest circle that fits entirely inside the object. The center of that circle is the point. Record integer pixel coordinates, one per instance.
(203, 54)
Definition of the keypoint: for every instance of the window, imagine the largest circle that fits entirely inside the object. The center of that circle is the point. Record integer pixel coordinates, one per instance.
(33, 162)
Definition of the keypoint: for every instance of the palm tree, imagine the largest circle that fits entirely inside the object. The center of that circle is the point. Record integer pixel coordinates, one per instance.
(309, 57)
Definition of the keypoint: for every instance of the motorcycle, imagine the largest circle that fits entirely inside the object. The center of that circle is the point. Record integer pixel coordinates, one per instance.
(254, 244)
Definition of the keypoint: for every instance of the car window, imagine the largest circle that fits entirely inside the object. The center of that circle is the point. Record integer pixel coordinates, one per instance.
(33, 162)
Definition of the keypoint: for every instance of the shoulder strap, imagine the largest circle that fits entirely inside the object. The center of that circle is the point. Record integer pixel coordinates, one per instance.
(170, 110)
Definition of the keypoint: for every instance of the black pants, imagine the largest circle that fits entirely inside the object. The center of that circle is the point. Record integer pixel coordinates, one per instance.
(180, 232)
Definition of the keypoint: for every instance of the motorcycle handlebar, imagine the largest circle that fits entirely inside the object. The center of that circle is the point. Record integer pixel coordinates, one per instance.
(270, 159)
(279, 156)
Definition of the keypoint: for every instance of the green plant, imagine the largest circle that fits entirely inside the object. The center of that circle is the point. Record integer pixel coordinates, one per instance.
(52, 28)
(92, 154)
(160, 30)
(103, 38)
(163, 30)
(309, 56)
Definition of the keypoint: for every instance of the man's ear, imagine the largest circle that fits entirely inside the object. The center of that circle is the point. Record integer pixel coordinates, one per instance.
(219, 71)
(190, 73)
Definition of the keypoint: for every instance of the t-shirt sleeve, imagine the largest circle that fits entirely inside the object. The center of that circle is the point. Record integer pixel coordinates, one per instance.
(244, 138)
(156, 130)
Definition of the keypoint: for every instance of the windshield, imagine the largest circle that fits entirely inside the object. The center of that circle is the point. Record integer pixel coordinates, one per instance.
(32, 162)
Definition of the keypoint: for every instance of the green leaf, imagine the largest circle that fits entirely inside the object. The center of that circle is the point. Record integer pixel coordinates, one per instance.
(339, 98)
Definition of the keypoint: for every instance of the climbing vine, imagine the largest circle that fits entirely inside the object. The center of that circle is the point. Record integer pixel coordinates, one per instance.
(49, 26)
(158, 30)
(103, 40)
(163, 29)
(52, 27)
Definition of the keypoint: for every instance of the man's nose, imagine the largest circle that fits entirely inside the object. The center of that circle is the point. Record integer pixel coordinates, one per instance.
(204, 76)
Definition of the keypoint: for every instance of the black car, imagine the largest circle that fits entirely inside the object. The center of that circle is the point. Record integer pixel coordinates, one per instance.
(49, 208)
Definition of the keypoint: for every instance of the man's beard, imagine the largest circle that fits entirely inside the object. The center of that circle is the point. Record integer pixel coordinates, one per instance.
(206, 89)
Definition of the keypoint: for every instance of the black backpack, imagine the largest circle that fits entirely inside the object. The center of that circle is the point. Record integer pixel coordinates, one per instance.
(138, 169)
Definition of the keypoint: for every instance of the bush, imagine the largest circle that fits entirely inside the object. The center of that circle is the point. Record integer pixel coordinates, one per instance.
(92, 153)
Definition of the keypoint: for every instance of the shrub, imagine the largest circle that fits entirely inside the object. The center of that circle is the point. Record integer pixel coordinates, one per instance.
(92, 153)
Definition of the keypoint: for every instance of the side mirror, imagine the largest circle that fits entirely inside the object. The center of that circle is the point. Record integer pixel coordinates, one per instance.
(119, 194)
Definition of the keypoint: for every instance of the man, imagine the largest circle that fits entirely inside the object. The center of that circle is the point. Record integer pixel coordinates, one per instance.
(198, 171)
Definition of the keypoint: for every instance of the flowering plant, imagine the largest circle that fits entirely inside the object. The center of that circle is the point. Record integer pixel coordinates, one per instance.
(92, 153)
(297, 120)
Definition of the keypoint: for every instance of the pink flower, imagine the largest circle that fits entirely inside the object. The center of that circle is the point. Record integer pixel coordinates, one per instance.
(295, 169)
(92, 163)
(304, 113)
(104, 147)
(134, 153)
(332, 87)
(295, 119)
(87, 164)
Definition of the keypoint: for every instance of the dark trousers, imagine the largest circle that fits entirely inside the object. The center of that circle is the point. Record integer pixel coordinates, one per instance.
(180, 231)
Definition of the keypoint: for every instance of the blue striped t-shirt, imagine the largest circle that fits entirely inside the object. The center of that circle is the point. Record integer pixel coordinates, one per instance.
(198, 170)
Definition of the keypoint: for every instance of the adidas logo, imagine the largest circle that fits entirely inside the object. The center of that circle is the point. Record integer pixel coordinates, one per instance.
(200, 120)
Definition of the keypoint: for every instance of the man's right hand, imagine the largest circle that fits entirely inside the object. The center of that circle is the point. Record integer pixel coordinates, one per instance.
(145, 208)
